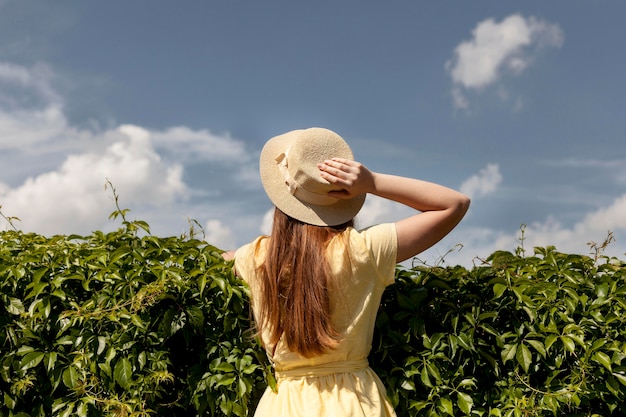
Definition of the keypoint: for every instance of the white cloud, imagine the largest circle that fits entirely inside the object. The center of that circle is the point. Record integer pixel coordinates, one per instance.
(478, 243)
(268, 221)
(72, 199)
(26, 129)
(497, 49)
(379, 210)
(485, 182)
(188, 144)
(53, 174)
(219, 235)
(612, 217)
(460, 101)
(595, 227)
(228, 157)
(374, 210)
(27, 85)
(31, 111)
(616, 168)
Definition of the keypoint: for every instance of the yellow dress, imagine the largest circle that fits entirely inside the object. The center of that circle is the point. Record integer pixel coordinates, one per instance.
(338, 383)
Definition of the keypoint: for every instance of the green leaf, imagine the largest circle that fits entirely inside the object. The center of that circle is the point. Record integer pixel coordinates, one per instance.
(9, 402)
(70, 377)
(568, 343)
(602, 290)
(523, 356)
(242, 388)
(489, 329)
(434, 372)
(538, 346)
(202, 283)
(122, 372)
(550, 339)
(68, 410)
(142, 224)
(102, 344)
(141, 359)
(597, 344)
(603, 359)
(418, 405)
(37, 288)
(224, 367)
(32, 359)
(15, 306)
(425, 378)
(405, 302)
(509, 351)
(621, 378)
(50, 360)
(250, 369)
(408, 385)
(226, 380)
(499, 289)
(106, 368)
(612, 385)
(465, 402)
(23, 350)
(81, 410)
(111, 353)
(467, 382)
(465, 342)
(445, 405)
(196, 318)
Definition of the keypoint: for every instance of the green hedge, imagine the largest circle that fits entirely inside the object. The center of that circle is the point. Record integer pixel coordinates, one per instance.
(524, 336)
(130, 324)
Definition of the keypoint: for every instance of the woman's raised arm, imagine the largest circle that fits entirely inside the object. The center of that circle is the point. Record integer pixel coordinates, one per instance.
(441, 208)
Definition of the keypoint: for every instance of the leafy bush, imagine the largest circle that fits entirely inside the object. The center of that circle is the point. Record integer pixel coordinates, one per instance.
(523, 336)
(130, 324)
(123, 325)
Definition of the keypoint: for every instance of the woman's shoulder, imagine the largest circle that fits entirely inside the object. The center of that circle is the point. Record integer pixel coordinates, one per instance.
(379, 231)
(373, 240)
(371, 250)
(376, 235)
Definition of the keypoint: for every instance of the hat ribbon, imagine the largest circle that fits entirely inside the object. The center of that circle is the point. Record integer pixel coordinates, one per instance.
(296, 189)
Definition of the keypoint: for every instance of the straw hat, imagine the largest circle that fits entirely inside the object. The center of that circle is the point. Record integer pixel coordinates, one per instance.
(292, 180)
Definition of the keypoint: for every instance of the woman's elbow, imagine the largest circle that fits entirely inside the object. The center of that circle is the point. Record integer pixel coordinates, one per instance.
(465, 202)
(462, 205)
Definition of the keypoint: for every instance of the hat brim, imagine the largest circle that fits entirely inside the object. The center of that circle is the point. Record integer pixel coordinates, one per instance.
(342, 211)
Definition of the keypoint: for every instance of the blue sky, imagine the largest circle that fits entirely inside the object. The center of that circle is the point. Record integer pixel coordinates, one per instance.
(519, 104)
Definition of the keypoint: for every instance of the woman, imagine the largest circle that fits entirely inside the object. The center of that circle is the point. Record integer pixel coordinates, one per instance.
(316, 282)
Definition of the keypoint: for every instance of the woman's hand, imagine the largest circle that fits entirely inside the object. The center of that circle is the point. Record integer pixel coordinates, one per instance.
(351, 176)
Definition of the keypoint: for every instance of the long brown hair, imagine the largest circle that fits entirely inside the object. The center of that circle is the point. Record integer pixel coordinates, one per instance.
(295, 279)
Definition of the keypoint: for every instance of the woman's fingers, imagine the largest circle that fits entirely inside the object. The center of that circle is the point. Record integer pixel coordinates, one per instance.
(350, 176)
(335, 171)
(338, 166)
(347, 174)
(341, 164)
(332, 175)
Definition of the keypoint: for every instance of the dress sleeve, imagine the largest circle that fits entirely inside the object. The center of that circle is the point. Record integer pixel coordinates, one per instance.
(382, 243)
(247, 258)
(244, 262)
(241, 266)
